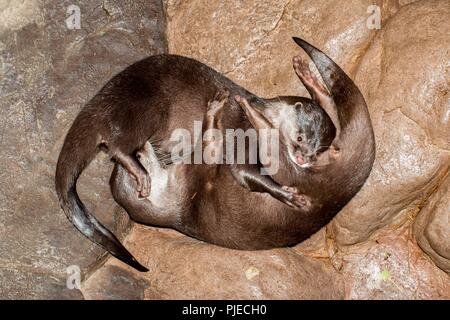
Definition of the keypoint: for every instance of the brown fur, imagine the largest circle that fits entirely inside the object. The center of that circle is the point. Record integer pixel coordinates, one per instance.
(153, 97)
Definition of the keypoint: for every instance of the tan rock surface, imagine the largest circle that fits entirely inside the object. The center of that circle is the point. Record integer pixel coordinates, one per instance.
(392, 266)
(404, 76)
(184, 268)
(432, 226)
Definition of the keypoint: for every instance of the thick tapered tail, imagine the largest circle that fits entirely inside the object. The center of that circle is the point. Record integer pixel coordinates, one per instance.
(356, 134)
(77, 152)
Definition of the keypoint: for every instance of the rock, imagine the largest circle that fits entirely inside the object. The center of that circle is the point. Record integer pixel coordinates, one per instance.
(20, 283)
(392, 266)
(405, 81)
(185, 268)
(248, 39)
(432, 226)
(47, 73)
(114, 283)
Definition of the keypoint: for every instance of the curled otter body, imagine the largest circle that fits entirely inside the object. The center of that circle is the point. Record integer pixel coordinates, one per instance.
(153, 97)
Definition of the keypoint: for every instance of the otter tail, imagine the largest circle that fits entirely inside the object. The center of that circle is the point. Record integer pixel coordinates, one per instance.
(79, 148)
(357, 137)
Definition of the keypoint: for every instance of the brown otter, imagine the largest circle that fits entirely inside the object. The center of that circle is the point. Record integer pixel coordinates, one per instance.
(151, 98)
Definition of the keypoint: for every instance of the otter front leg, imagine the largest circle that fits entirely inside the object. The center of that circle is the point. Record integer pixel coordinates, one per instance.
(317, 90)
(212, 140)
(256, 118)
(160, 207)
(249, 177)
(136, 170)
(213, 114)
(259, 122)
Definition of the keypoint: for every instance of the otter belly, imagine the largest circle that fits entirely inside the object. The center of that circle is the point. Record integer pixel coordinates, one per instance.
(165, 193)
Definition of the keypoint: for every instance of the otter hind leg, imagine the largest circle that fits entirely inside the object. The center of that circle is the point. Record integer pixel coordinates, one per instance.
(136, 170)
(148, 158)
(153, 209)
(316, 89)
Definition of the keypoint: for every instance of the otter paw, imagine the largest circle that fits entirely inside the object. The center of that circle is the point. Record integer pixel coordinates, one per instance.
(215, 105)
(243, 103)
(302, 70)
(221, 95)
(143, 184)
(213, 109)
(295, 198)
(146, 187)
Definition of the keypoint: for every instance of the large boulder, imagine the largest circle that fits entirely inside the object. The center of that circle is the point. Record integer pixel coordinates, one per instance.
(404, 77)
(185, 268)
(48, 71)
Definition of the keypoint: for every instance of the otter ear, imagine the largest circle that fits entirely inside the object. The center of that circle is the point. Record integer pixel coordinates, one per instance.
(298, 104)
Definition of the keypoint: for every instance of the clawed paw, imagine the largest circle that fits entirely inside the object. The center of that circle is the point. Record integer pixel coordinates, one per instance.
(302, 69)
(295, 199)
(215, 105)
(143, 184)
(222, 95)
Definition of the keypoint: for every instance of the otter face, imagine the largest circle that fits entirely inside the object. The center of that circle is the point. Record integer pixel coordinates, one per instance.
(307, 134)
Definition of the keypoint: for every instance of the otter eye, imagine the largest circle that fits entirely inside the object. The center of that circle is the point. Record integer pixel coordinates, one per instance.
(299, 139)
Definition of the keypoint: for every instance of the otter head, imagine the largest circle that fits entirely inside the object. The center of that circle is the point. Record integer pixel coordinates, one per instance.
(307, 133)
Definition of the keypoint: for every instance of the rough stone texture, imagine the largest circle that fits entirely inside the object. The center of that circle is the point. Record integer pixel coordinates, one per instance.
(185, 268)
(390, 242)
(114, 283)
(370, 250)
(47, 73)
(391, 266)
(432, 226)
(405, 80)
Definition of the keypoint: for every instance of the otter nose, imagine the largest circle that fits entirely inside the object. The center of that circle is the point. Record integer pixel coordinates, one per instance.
(300, 160)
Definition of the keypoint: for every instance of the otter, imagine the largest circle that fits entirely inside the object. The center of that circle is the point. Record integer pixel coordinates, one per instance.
(321, 166)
